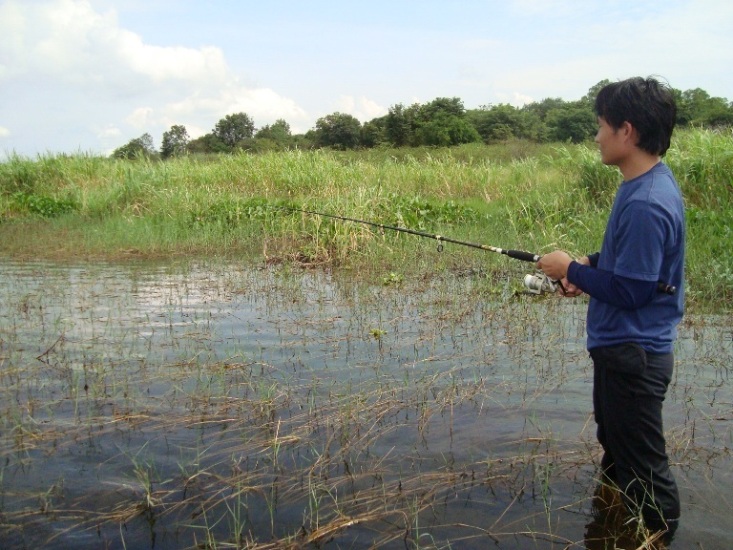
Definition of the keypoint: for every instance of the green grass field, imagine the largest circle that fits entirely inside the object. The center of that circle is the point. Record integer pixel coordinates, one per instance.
(515, 195)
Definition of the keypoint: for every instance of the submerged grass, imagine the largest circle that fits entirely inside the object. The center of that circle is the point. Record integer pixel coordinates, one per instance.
(424, 415)
(388, 414)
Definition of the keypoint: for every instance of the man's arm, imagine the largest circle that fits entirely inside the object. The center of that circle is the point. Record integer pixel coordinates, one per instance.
(618, 291)
(580, 276)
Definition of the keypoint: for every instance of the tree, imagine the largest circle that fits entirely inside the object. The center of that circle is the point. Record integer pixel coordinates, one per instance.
(442, 122)
(574, 123)
(696, 108)
(444, 130)
(590, 98)
(720, 113)
(543, 107)
(234, 128)
(452, 106)
(136, 148)
(278, 132)
(338, 130)
(175, 142)
(208, 143)
(398, 125)
(373, 132)
(502, 122)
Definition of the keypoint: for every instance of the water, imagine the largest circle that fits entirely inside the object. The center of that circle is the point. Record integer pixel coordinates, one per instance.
(167, 406)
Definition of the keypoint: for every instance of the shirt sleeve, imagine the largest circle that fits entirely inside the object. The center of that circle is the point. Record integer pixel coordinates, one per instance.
(643, 229)
(615, 290)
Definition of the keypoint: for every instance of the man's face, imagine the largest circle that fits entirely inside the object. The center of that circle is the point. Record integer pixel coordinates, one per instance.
(611, 143)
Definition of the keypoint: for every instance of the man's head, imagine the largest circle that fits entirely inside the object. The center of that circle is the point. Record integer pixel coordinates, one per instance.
(646, 104)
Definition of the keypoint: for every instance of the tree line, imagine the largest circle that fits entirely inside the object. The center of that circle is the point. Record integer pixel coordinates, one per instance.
(441, 122)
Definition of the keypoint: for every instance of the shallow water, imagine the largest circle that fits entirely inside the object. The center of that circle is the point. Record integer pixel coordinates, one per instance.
(164, 406)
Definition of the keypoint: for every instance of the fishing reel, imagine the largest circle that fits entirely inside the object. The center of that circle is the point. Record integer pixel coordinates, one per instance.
(539, 283)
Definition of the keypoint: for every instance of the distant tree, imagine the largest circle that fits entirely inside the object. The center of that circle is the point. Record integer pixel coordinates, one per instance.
(175, 142)
(574, 122)
(373, 132)
(720, 113)
(451, 106)
(503, 121)
(279, 132)
(552, 118)
(208, 143)
(691, 106)
(442, 122)
(303, 141)
(338, 130)
(445, 130)
(590, 98)
(311, 137)
(683, 113)
(542, 108)
(399, 125)
(232, 129)
(696, 108)
(136, 148)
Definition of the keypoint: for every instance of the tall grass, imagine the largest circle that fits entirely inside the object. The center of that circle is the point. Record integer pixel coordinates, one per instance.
(518, 195)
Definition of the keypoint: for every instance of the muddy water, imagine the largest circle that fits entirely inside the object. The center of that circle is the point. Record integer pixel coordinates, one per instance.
(159, 406)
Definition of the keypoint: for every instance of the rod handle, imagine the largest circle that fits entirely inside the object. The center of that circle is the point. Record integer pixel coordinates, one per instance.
(521, 255)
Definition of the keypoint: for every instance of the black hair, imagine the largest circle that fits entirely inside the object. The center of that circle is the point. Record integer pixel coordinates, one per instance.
(647, 104)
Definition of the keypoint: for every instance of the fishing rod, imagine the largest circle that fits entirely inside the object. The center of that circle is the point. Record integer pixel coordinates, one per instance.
(516, 254)
(536, 284)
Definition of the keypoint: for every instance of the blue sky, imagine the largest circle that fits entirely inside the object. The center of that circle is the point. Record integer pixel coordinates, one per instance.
(89, 75)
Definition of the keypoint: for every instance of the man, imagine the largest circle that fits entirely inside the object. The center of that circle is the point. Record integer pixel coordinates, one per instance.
(631, 326)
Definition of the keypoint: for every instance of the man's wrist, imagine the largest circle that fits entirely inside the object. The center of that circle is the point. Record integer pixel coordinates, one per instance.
(573, 267)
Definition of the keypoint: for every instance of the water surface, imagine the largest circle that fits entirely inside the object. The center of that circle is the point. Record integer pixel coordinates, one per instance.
(171, 406)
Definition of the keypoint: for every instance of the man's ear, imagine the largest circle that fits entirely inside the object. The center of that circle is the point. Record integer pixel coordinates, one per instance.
(629, 132)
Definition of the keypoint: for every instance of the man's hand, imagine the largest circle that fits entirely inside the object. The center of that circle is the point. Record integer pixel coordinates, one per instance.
(555, 265)
(571, 291)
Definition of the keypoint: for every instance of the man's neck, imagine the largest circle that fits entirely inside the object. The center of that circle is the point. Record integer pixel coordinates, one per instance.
(637, 164)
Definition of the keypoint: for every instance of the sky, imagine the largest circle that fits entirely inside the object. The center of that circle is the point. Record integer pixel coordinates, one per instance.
(87, 76)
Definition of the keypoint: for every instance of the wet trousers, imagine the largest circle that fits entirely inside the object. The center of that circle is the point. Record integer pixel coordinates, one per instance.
(629, 386)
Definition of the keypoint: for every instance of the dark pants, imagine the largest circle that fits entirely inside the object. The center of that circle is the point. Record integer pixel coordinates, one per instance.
(629, 386)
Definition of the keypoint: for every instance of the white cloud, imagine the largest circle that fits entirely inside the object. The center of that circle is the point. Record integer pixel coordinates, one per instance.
(106, 70)
(68, 39)
(4, 132)
(109, 132)
(259, 102)
(140, 118)
(515, 99)
(361, 108)
(263, 105)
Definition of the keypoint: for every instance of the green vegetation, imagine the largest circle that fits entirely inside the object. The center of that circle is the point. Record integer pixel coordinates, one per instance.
(520, 194)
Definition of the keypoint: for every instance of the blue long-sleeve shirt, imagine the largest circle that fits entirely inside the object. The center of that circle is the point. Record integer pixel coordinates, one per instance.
(644, 243)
